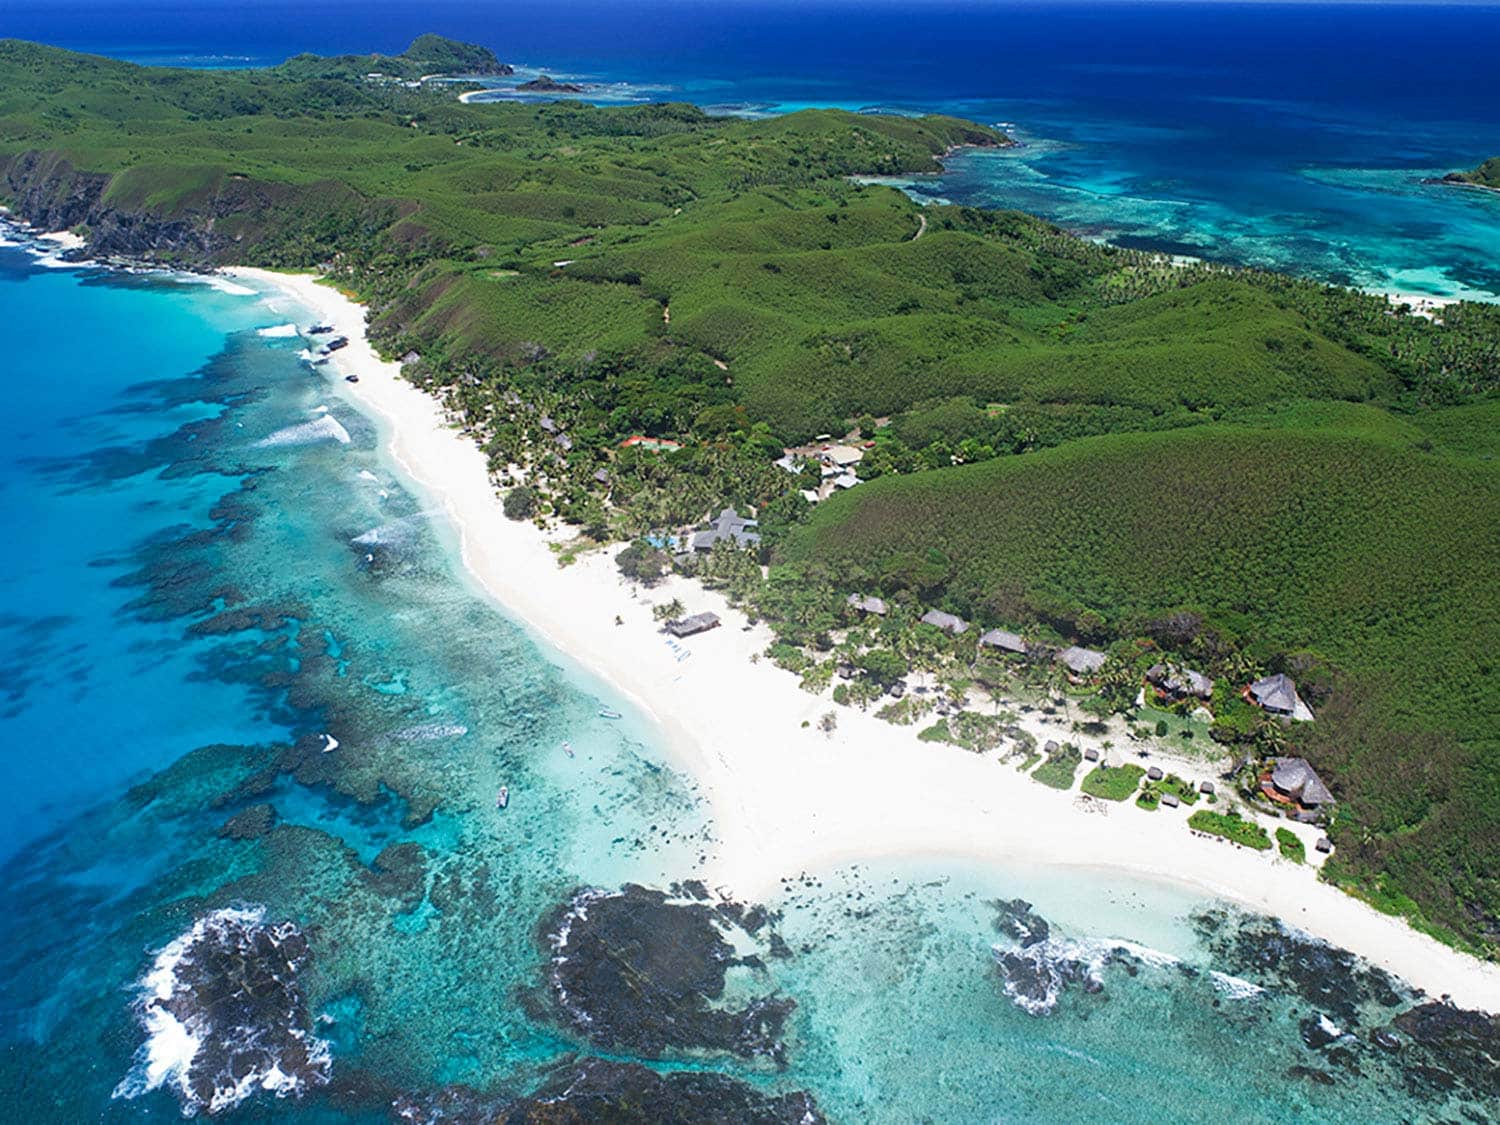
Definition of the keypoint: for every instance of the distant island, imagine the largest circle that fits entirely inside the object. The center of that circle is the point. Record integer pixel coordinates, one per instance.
(1487, 175)
(549, 85)
(428, 55)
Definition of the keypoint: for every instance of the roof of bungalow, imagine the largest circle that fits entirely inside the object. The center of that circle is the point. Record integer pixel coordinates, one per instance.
(1297, 779)
(1081, 661)
(697, 623)
(1278, 693)
(601, 475)
(1180, 681)
(654, 444)
(564, 442)
(411, 357)
(845, 480)
(788, 461)
(548, 424)
(843, 455)
(867, 604)
(948, 622)
(999, 638)
(728, 526)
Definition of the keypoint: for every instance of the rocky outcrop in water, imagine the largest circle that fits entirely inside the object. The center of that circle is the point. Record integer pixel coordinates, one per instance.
(634, 971)
(549, 85)
(225, 1016)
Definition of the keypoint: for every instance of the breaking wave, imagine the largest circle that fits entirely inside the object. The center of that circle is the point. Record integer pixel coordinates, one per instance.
(323, 428)
(279, 331)
(224, 1016)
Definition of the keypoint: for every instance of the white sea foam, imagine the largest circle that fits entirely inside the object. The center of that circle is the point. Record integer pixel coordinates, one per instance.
(278, 332)
(224, 285)
(1058, 960)
(365, 474)
(330, 744)
(323, 428)
(1234, 988)
(430, 732)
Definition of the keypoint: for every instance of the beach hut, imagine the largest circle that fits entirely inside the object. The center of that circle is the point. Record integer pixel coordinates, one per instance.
(1005, 642)
(1154, 774)
(549, 425)
(1278, 695)
(697, 623)
(1206, 788)
(1324, 845)
(947, 622)
(1295, 779)
(866, 604)
(1081, 661)
(1091, 755)
(1179, 683)
(1050, 748)
(1170, 800)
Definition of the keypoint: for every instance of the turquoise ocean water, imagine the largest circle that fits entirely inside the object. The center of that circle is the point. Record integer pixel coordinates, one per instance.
(216, 574)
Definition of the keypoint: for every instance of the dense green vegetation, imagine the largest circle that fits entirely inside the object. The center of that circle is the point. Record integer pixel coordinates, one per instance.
(1486, 175)
(1232, 828)
(1060, 767)
(1290, 845)
(1112, 783)
(1239, 470)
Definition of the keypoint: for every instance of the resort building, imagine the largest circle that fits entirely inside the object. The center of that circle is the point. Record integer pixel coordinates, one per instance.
(1179, 683)
(868, 604)
(1278, 695)
(730, 527)
(1081, 661)
(697, 623)
(1294, 780)
(947, 622)
(1005, 642)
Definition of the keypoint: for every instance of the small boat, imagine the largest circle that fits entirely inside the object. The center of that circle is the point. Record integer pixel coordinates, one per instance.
(503, 798)
(568, 749)
(351, 378)
(320, 330)
(607, 713)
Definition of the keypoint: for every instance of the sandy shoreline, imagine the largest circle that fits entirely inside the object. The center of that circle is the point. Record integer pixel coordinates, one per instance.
(787, 799)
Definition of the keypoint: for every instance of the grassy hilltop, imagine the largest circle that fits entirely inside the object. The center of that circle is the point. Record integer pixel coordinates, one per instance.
(1486, 175)
(1070, 439)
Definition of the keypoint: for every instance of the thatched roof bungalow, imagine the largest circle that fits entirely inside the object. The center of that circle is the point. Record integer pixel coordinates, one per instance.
(1081, 661)
(1278, 695)
(697, 623)
(1005, 642)
(947, 622)
(867, 604)
(1295, 778)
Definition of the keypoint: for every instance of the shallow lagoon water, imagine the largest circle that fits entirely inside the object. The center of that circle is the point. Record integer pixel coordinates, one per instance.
(228, 602)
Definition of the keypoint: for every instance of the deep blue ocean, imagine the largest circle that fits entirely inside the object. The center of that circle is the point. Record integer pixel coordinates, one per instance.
(1291, 136)
(215, 574)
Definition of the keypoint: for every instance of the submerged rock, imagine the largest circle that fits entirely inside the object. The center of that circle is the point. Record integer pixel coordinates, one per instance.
(632, 970)
(1018, 921)
(253, 822)
(591, 1090)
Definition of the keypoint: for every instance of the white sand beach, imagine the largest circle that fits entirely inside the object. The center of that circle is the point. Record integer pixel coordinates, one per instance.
(785, 797)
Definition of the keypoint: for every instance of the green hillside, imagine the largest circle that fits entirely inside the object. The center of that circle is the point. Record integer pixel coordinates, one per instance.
(1486, 175)
(1061, 435)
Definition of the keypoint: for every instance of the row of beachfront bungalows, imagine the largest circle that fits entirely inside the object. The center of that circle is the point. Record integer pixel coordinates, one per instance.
(1275, 694)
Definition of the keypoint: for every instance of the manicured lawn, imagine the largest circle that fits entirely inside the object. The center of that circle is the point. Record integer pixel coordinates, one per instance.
(1112, 783)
